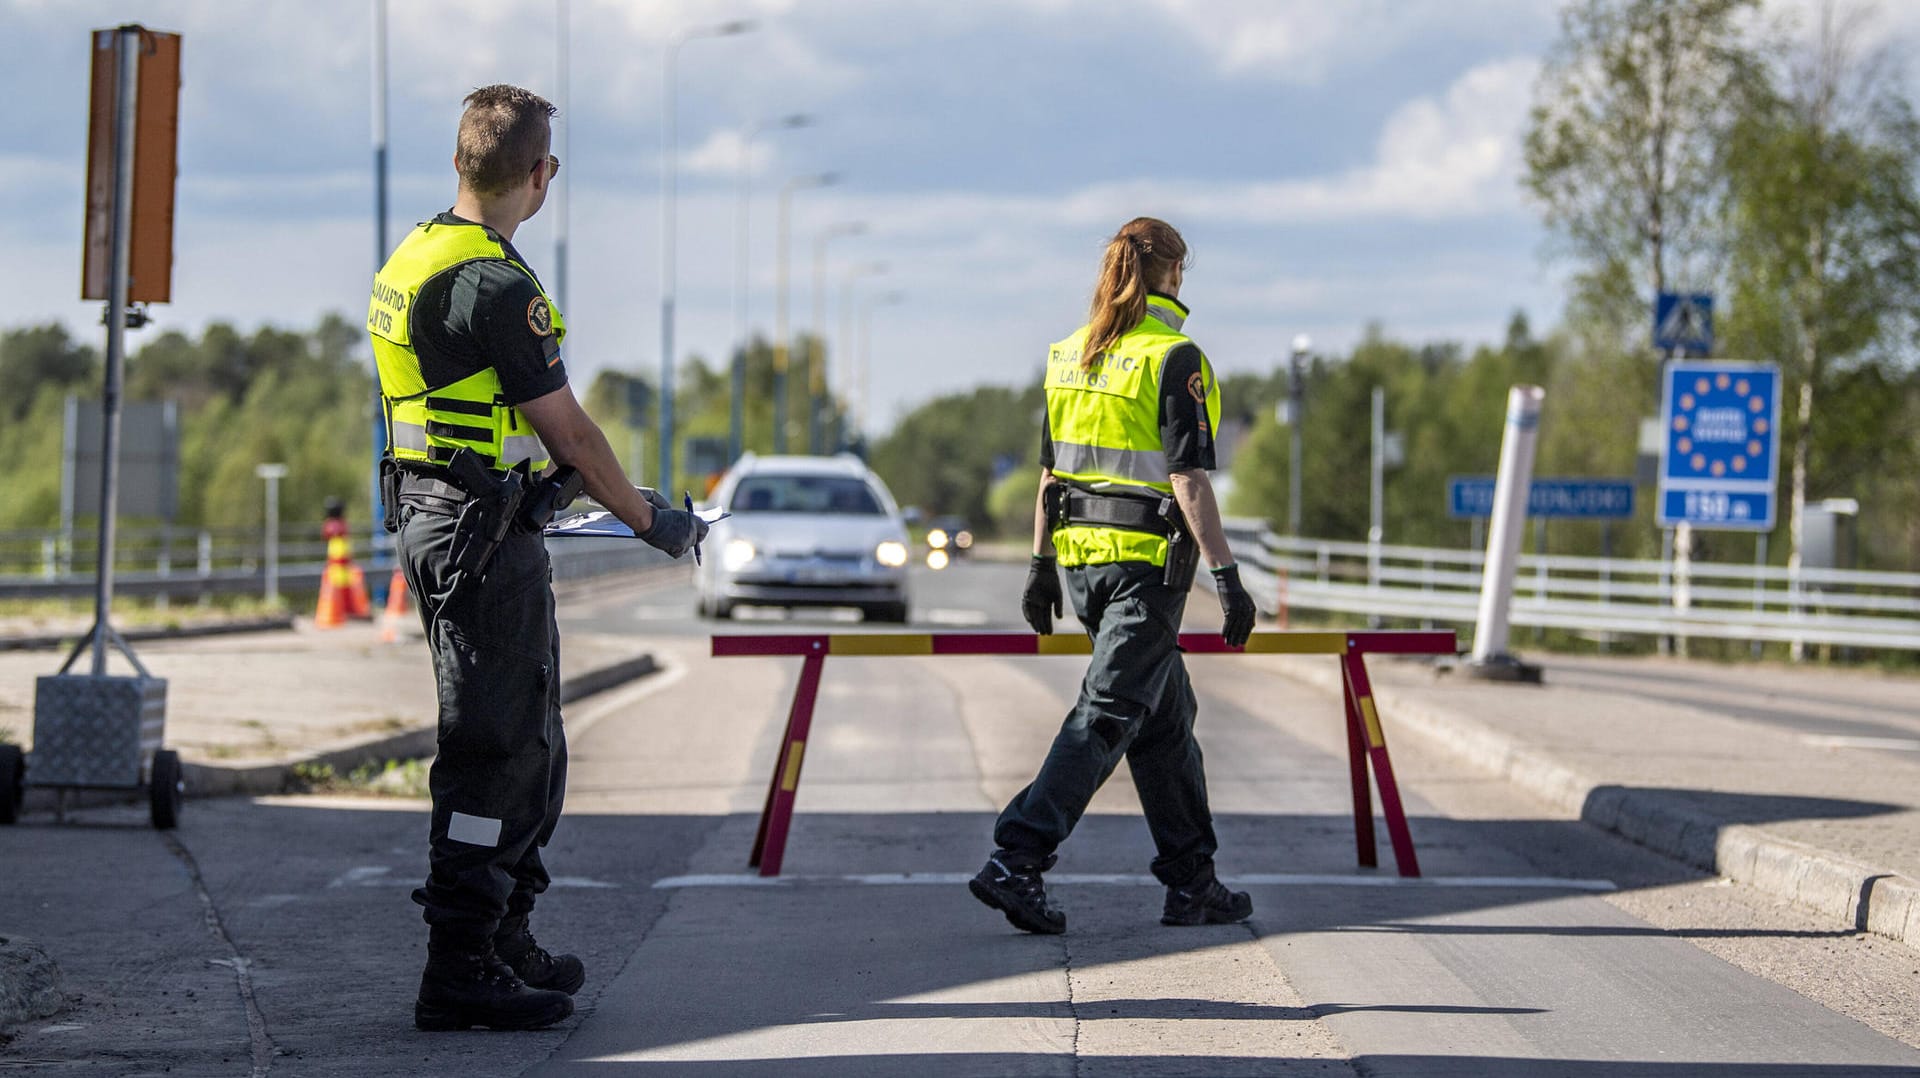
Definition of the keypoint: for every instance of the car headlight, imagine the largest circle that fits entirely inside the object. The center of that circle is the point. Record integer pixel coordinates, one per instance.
(936, 559)
(963, 540)
(937, 539)
(737, 554)
(891, 554)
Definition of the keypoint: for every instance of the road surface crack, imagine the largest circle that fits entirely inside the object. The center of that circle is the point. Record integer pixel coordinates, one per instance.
(261, 1044)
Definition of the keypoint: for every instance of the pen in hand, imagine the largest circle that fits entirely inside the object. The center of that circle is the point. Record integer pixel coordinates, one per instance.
(688, 495)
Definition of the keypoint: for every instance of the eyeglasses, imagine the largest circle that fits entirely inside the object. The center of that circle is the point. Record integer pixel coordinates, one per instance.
(553, 166)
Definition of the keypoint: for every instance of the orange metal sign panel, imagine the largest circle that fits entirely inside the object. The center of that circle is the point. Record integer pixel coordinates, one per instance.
(156, 137)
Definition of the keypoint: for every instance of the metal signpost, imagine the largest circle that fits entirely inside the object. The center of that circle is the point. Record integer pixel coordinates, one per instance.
(1720, 454)
(95, 730)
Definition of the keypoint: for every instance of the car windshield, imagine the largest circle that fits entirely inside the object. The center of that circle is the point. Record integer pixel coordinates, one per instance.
(805, 494)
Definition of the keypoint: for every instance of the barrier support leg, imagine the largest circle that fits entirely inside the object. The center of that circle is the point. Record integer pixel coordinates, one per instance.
(1361, 689)
(1362, 793)
(770, 845)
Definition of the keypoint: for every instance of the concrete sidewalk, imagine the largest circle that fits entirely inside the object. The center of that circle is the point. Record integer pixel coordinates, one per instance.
(244, 709)
(1793, 780)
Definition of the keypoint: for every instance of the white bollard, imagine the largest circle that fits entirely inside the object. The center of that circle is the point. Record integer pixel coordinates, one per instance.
(1510, 494)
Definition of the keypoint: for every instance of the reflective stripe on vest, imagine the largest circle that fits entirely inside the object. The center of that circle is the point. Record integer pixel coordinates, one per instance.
(1105, 423)
(425, 423)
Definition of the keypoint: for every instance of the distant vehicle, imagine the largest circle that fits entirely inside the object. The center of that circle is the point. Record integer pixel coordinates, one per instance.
(951, 534)
(805, 532)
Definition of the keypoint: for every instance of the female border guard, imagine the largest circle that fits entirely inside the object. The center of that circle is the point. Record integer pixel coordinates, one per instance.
(1124, 501)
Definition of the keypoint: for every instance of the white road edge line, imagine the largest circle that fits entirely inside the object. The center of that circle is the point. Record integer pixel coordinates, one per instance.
(1251, 879)
(1897, 744)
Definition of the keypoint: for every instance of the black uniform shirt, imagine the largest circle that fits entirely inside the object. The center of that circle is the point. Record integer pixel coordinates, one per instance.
(488, 314)
(1185, 434)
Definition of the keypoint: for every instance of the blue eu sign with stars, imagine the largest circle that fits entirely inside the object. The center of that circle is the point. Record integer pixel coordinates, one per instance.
(1719, 458)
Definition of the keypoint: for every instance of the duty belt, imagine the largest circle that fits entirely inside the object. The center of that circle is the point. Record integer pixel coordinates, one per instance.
(1073, 505)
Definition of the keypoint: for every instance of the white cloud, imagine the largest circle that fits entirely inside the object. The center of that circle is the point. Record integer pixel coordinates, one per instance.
(721, 155)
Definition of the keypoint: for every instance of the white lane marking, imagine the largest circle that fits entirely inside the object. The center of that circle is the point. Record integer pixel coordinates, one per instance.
(955, 617)
(381, 877)
(1897, 744)
(1251, 879)
(359, 877)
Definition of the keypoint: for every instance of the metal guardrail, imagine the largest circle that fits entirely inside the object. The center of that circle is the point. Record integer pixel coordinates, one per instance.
(188, 565)
(1599, 597)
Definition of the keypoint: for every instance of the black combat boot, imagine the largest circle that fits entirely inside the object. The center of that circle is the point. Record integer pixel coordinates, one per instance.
(531, 962)
(467, 985)
(1010, 883)
(1205, 901)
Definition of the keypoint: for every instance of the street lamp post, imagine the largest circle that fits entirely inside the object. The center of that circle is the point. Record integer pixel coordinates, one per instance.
(562, 41)
(844, 340)
(866, 326)
(780, 297)
(737, 417)
(1296, 394)
(816, 358)
(272, 473)
(668, 148)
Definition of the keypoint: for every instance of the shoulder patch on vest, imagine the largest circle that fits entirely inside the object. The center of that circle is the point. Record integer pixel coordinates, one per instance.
(540, 317)
(1197, 386)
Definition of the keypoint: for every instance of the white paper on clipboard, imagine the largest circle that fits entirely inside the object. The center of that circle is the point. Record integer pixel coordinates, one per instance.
(602, 524)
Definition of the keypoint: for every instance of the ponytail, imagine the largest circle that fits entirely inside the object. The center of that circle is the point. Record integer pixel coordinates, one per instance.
(1143, 251)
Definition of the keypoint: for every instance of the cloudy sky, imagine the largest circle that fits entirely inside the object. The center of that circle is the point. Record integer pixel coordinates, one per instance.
(1331, 164)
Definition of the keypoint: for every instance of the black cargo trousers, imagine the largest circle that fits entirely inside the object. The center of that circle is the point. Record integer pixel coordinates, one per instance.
(1136, 702)
(501, 772)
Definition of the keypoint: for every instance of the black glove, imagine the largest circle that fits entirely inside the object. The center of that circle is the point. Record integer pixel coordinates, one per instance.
(1236, 604)
(674, 531)
(1040, 600)
(654, 498)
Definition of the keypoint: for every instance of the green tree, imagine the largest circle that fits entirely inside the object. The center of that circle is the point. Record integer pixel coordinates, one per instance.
(1824, 227)
(944, 455)
(1623, 147)
(43, 359)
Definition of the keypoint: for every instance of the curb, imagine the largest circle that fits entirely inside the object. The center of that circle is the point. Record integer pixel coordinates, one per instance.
(55, 641)
(1866, 898)
(29, 983)
(213, 780)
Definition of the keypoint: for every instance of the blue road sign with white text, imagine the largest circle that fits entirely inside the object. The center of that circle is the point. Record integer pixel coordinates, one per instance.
(1683, 323)
(1720, 444)
(1579, 499)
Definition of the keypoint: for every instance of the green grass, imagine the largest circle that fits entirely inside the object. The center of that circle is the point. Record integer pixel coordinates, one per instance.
(395, 778)
(148, 613)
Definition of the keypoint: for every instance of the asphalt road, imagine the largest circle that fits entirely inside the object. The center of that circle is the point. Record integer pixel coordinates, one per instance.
(1536, 946)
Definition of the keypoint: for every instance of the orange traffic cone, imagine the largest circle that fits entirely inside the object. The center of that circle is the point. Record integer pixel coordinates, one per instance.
(359, 606)
(327, 614)
(396, 609)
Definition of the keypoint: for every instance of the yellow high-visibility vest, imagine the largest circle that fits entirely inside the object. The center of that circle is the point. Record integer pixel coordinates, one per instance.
(426, 424)
(1105, 423)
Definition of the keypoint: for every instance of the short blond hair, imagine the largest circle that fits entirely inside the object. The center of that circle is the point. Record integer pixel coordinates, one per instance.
(503, 133)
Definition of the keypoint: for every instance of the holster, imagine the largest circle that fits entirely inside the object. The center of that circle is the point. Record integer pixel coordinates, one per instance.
(389, 493)
(1183, 551)
(492, 506)
(550, 495)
